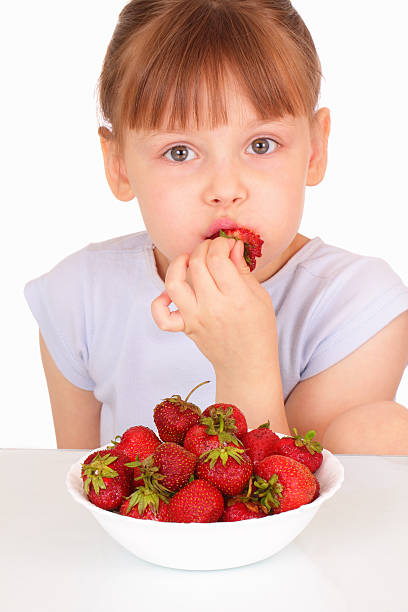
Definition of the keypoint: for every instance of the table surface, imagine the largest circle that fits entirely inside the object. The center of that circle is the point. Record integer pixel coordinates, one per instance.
(55, 556)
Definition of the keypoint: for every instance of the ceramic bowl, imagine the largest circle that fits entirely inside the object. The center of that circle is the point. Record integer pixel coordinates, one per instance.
(209, 546)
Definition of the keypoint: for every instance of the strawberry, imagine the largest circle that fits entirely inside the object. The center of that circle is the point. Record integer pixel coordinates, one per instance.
(138, 441)
(317, 493)
(282, 483)
(236, 510)
(304, 450)
(148, 503)
(228, 468)
(252, 243)
(230, 415)
(198, 441)
(106, 478)
(198, 502)
(161, 514)
(175, 463)
(174, 417)
(207, 435)
(260, 443)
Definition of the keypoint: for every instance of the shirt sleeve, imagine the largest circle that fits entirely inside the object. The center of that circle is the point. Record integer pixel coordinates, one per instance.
(58, 302)
(358, 302)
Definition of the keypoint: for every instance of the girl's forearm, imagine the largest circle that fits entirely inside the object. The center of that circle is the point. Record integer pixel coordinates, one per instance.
(257, 393)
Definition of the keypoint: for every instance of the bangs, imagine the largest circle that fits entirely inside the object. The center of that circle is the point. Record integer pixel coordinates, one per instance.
(164, 67)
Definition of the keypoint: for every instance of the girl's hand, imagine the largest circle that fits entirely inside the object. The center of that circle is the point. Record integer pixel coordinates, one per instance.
(225, 311)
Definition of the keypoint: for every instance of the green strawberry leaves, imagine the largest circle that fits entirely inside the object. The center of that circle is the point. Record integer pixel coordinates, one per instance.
(307, 440)
(222, 453)
(268, 492)
(97, 470)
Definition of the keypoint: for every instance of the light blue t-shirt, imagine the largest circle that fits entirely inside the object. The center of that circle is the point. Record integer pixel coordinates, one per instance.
(93, 310)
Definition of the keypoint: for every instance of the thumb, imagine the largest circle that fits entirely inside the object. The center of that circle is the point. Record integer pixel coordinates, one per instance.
(237, 257)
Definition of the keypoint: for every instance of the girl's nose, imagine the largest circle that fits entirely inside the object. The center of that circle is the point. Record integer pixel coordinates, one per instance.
(225, 187)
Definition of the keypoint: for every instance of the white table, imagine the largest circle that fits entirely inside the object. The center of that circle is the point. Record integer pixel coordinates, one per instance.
(55, 557)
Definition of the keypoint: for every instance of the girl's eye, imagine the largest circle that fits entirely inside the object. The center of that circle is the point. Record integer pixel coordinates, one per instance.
(259, 145)
(179, 153)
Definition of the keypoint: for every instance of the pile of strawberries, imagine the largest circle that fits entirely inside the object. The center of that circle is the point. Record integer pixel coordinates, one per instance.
(205, 468)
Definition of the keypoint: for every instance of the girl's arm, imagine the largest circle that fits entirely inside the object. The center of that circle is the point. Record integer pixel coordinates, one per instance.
(76, 412)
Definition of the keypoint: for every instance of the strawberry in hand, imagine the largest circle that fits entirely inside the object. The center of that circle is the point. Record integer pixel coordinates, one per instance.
(222, 307)
(252, 243)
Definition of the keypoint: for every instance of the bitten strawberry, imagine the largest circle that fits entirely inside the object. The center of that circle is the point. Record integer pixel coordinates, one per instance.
(174, 417)
(230, 414)
(138, 441)
(303, 449)
(198, 502)
(228, 468)
(252, 243)
(175, 463)
(260, 442)
(282, 483)
(106, 478)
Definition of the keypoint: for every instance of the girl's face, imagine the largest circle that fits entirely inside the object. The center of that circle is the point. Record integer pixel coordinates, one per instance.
(252, 174)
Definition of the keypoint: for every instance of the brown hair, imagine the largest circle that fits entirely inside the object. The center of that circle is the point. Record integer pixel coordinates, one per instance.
(161, 50)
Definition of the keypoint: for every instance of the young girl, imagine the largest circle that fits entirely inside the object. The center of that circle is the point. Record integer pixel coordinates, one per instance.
(210, 120)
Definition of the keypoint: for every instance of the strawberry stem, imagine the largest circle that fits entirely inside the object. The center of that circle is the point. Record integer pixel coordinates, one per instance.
(203, 383)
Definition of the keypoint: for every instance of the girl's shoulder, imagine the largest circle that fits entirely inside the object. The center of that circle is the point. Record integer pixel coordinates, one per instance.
(329, 262)
(136, 242)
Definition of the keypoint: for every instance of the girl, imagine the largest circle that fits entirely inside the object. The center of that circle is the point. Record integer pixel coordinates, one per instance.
(210, 119)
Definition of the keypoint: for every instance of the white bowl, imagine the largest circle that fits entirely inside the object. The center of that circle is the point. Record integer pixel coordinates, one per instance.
(209, 546)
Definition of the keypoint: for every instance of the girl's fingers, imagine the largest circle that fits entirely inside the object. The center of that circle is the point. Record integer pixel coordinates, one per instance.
(177, 286)
(165, 319)
(227, 266)
(203, 283)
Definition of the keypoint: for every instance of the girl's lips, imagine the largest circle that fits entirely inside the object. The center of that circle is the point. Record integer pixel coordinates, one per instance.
(221, 223)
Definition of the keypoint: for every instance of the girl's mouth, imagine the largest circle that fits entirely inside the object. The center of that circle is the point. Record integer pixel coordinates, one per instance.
(221, 223)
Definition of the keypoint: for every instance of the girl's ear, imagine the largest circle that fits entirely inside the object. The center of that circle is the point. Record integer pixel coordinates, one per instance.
(319, 135)
(115, 169)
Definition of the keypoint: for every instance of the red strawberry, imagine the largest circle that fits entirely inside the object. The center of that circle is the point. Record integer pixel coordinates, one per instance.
(174, 417)
(198, 441)
(228, 468)
(283, 484)
(236, 510)
(252, 243)
(198, 502)
(230, 415)
(138, 441)
(260, 443)
(175, 463)
(316, 495)
(206, 435)
(304, 450)
(146, 503)
(107, 479)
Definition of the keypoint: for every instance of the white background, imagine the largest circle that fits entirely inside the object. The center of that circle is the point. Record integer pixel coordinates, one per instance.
(56, 198)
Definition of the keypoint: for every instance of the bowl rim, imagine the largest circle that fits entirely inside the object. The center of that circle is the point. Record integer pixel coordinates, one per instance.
(310, 507)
